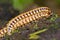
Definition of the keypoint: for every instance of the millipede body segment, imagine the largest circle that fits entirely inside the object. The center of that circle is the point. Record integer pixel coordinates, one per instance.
(25, 18)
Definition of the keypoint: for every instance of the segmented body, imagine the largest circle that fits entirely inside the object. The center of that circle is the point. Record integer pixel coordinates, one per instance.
(25, 18)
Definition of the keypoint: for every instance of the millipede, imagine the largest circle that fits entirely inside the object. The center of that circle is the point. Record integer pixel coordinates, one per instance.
(24, 19)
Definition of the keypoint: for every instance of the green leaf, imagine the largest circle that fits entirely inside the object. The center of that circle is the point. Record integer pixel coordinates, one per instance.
(35, 36)
(21, 4)
(38, 32)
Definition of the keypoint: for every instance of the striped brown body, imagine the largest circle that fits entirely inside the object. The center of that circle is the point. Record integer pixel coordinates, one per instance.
(25, 18)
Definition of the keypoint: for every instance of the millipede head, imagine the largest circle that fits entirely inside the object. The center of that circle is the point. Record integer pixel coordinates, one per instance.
(45, 12)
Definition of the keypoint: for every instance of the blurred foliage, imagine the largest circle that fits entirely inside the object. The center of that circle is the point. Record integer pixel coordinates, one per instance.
(58, 1)
(4, 1)
(53, 21)
(15, 31)
(34, 35)
(54, 17)
(35, 26)
(54, 26)
(21, 4)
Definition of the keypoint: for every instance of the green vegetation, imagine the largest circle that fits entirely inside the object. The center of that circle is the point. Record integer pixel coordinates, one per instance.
(35, 36)
(21, 4)
(54, 17)
(54, 26)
